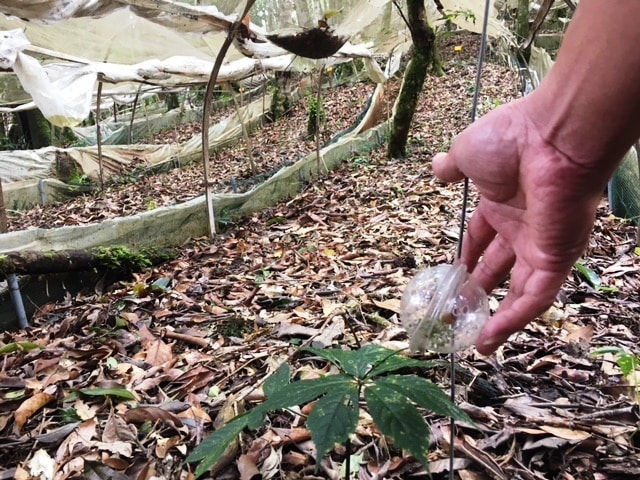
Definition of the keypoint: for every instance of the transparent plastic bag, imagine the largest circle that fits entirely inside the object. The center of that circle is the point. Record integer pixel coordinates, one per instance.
(443, 309)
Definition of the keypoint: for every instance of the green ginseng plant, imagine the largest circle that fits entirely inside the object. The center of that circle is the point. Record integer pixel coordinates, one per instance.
(370, 373)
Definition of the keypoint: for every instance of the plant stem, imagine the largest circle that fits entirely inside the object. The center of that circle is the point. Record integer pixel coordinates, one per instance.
(347, 461)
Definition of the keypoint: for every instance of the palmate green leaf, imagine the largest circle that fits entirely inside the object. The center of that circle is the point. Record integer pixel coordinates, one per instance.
(424, 393)
(278, 380)
(303, 391)
(334, 418)
(297, 393)
(357, 363)
(343, 359)
(397, 418)
(627, 363)
(214, 446)
(399, 361)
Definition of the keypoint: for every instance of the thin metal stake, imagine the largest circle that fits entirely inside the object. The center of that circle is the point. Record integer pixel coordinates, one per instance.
(463, 219)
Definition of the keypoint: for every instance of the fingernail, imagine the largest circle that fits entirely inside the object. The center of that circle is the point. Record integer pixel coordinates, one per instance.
(489, 344)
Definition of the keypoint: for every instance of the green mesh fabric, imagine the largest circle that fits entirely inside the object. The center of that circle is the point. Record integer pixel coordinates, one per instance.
(624, 189)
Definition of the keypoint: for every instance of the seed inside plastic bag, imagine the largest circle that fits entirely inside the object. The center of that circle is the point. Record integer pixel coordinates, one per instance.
(443, 309)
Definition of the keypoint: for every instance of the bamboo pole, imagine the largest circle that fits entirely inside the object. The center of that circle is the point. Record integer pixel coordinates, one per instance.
(208, 96)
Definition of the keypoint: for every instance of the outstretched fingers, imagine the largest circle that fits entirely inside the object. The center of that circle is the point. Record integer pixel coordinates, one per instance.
(487, 255)
(530, 294)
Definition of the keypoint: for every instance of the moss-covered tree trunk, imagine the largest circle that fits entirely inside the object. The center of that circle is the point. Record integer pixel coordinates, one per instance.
(35, 128)
(522, 19)
(115, 258)
(423, 52)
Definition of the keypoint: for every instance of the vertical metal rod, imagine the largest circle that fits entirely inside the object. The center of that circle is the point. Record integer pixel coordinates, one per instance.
(463, 220)
(16, 298)
(474, 111)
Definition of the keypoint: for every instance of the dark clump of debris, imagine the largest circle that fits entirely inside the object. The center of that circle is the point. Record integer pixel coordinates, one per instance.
(310, 43)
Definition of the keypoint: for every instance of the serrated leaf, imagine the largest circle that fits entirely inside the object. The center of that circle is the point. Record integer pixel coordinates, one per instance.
(333, 418)
(297, 393)
(303, 391)
(399, 361)
(214, 446)
(278, 380)
(341, 358)
(357, 363)
(108, 392)
(424, 393)
(397, 418)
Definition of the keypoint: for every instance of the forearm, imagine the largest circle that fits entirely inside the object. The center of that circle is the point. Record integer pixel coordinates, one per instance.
(588, 106)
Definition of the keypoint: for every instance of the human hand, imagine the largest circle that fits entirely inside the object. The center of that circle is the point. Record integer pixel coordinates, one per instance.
(535, 214)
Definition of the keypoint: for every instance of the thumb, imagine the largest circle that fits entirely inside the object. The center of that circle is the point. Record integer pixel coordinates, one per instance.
(445, 168)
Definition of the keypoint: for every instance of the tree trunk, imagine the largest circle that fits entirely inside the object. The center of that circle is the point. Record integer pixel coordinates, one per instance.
(35, 128)
(285, 13)
(543, 11)
(522, 27)
(172, 100)
(423, 53)
(303, 14)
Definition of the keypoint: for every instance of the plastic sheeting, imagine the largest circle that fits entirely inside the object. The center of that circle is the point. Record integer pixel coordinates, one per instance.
(172, 225)
(19, 165)
(130, 42)
(63, 92)
(123, 132)
(22, 165)
(52, 11)
(63, 95)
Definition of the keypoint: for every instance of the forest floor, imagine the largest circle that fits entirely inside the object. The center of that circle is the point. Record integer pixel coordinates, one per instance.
(126, 382)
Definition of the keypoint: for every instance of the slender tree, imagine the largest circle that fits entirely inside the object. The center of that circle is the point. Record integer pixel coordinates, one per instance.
(423, 38)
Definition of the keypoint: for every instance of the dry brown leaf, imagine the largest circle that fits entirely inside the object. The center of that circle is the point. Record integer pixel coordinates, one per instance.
(566, 433)
(116, 463)
(124, 449)
(152, 414)
(117, 429)
(247, 468)
(30, 406)
(285, 436)
(289, 329)
(159, 354)
(392, 304)
(163, 445)
(81, 438)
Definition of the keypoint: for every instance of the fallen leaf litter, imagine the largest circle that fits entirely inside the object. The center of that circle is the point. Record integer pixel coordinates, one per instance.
(324, 268)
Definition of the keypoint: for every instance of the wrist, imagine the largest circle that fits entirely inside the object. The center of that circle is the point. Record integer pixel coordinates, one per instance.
(588, 106)
(585, 133)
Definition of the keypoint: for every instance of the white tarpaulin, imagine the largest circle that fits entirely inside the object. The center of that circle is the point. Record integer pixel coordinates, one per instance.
(63, 95)
(63, 92)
